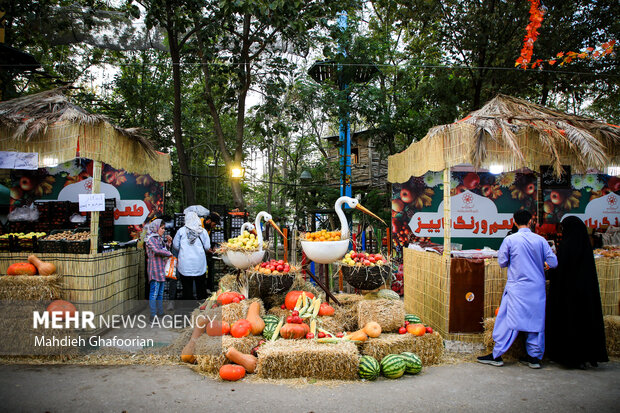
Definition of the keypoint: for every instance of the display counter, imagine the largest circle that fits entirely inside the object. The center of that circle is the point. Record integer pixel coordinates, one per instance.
(454, 295)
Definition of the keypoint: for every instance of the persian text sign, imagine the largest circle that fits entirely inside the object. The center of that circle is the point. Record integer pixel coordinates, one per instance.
(472, 216)
(91, 202)
(601, 212)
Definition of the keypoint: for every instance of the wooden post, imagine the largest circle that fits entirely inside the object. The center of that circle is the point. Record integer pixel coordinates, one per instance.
(447, 217)
(285, 231)
(94, 216)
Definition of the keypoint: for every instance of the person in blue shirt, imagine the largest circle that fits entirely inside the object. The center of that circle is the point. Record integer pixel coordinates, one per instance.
(191, 242)
(522, 308)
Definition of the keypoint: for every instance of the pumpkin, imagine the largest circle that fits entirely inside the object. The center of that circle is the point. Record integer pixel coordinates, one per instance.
(294, 331)
(21, 268)
(326, 310)
(359, 335)
(218, 328)
(253, 316)
(373, 329)
(241, 328)
(45, 268)
(248, 361)
(62, 308)
(228, 297)
(291, 298)
(232, 372)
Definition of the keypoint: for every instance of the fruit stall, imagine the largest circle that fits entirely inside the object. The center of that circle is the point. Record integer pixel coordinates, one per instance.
(72, 153)
(454, 193)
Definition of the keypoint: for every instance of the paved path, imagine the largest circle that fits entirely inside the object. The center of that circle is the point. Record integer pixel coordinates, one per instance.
(466, 387)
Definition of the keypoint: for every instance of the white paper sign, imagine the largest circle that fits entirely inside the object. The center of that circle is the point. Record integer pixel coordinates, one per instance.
(92, 202)
(7, 160)
(601, 212)
(27, 160)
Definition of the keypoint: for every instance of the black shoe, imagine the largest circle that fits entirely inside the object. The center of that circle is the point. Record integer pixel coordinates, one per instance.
(531, 362)
(488, 359)
(594, 364)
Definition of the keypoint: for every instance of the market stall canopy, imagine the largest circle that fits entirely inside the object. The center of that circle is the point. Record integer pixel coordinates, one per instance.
(513, 133)
(50, 124)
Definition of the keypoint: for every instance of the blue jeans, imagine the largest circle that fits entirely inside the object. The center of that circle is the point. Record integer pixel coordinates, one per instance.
(156, 297)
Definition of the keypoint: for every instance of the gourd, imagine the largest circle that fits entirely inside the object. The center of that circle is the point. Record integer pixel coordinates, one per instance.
(248, 361)
(359, 335)
(187, 354)
(253, 316)
(232, 372)
(21, 268)
(294, 331)
(373, 329)
(45, 268)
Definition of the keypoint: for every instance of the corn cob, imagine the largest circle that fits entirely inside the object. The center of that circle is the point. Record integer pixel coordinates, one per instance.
(277, 332)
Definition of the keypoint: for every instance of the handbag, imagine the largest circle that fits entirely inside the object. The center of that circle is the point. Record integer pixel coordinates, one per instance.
(170, 270)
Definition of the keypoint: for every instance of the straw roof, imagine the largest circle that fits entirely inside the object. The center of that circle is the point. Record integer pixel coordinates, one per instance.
(31, 115)
(513, 133)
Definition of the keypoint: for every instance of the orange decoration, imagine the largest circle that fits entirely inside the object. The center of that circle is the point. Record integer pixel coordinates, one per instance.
(536, 18)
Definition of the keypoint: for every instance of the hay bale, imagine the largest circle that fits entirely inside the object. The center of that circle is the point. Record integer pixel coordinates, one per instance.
(516, 351)
(428, 347)
(612, 334)
(236, 311)
(345, 315)
(30, 287)
(390, 314)
(287, 359)
(332, 324)
(279, 312)
(210, 350)
(228, 283)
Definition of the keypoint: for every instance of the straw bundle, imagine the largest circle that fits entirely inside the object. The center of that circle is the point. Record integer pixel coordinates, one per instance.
(30, 287)
(390, 314)
(332, 324)
(279, 312)
(285, 359)
(210, 350)
(236, 311)
(612, 334)
(515, 351)
(345, 315)
(428, 347)
(228, 282)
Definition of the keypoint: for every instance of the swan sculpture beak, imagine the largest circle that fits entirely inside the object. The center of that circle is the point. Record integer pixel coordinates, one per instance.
(367, 212)
(276, 227)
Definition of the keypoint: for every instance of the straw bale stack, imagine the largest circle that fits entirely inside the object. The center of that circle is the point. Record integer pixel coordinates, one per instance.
(612, 334)
(515, 351)
(30, 287)
(228, 283)
(279, 312)
(332, 324)
(286, 359)
(428, 347)
(390, 314)
(236, 311)
(346, 313)
(210, 350)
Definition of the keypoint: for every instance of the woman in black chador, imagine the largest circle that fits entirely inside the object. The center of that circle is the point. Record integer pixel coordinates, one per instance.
(575, 330)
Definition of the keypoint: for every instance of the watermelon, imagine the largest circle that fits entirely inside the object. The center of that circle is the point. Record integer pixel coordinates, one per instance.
(385, 294)
(393, 366)
(413, 319)
(269, 329)
(412, 362)
(271, 319)
(368, 368)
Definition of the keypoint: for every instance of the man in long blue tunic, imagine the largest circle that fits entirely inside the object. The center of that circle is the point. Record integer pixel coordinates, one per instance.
(523, 302)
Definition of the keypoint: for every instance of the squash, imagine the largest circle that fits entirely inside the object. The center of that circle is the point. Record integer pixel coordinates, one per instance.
(241, 328)
(62, 308)
(253, 316)
(291, 298)
(248, 361)
(373, 329)
(359, 335)
(294, 331)
(21, 268)
(187, 354)
(232, 372)
(45, 268)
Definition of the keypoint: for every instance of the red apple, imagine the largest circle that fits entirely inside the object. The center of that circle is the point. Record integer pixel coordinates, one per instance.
(289, 319)
(406, 196)
(26, 183)
(429, 330)
(397, 205)
(614, 184)
(402, 330)
(471, 180)
(548, 207)
(530, 188)
(556, 197)
(486, 190)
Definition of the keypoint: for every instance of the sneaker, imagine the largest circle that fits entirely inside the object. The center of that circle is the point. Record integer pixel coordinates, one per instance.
(488, 359)
(531, 362)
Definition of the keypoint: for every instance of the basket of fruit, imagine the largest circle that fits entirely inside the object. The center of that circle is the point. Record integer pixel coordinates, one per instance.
(365, 271)
(324, 247)
(271, 277)
(243, 251)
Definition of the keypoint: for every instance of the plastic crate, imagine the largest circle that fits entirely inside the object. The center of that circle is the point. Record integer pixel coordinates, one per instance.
(50, 246)
(77, 247)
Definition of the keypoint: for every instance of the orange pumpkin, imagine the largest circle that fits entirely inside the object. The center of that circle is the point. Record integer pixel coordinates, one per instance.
(21, 268)
(241, 328)
(291, 298)
(232, 372)
(62, 308)
(294, 331)
(326, 310)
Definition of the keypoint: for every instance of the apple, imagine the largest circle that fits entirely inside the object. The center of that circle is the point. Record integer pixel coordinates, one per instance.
(402, 330)
(471, 180)
(289, 319)
(397, 205)
(530, 188)
(416, 329)
(321, 334)
(556, 197)
(429, 330)
(26, 183)
(548, 207)
(486, 190)
(294, 313)
(406, 196)
(614, 184)
(283, 307)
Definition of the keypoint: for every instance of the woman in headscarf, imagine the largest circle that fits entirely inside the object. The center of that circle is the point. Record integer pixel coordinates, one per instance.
(192, 242)
(157, 255)
(575, 330)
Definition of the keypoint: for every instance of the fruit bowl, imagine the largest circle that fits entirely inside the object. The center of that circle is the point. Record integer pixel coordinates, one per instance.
(366, 278)
(263, 285)
(325, 252)
(242, 260)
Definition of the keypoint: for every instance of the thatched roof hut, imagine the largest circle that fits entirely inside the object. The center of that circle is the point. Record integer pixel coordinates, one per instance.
(50, 124)
(513, 133)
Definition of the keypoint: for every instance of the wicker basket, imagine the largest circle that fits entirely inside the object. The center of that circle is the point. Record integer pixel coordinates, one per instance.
(262, 285)
(367, 278)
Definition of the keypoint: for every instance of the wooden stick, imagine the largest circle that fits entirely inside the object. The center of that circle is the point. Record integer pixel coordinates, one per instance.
(285, 231)
(320, 284)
